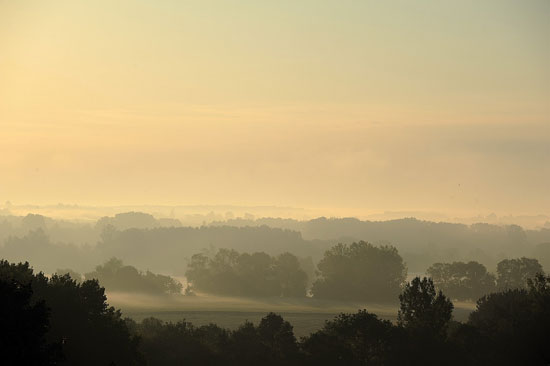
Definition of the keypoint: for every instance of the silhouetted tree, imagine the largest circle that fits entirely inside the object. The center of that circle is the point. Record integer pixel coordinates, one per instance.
(89, 330)
(422, 308)
(360, 271)
(425, 315)
(23, 326)
(354, 339)
(278, 337)
(258, 274)
(180, 343)
(290, 276)
(246, 347)
(462, 281)
(73, 274)
(515, 324)
(116, 276)
(513, 273)
(271, 343)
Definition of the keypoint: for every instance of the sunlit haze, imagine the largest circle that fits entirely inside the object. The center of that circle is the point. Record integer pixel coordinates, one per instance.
(345, 107)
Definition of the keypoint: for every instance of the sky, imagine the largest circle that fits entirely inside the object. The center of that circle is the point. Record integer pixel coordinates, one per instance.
(344, 106)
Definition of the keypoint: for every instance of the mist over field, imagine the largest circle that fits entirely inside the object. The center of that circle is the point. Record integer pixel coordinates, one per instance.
(311, 182)
(159, 271)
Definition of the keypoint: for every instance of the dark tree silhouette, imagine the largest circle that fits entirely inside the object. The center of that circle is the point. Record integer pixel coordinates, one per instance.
(23, 327)
(425, 315)
(515, 324)
(180, 343)
(116, 276)
(278, 337)
(89, 330)
(354, 339)
(510, 327)
(422, 308)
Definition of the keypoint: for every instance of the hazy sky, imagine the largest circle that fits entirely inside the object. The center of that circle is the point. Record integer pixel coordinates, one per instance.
(343, 105)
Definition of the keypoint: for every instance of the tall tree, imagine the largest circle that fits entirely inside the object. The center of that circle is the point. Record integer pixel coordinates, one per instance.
(425, 314)
(360, 271)
(423, 308)
(23, 327)
(462, 281)
(354, 339)
(90, 331)
(514, 273)
(515, 324)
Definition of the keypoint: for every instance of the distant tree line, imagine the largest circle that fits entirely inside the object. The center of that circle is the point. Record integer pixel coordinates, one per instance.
(470, 281)
(360, 272)
(161, 244)
(58, 321)
(229, 272)
(420, 242)
(115, 276)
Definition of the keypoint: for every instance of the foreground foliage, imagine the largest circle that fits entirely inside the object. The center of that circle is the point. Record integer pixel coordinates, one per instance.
(81, 329)
(116, 276)
(59, 321)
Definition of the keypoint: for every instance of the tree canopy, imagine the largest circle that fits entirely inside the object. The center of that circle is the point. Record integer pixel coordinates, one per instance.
(462, 281)
(514, 324)
(229, 272)
(57, 321)
(514, 273)
(88, 330)
(360, 271)
(116, 276)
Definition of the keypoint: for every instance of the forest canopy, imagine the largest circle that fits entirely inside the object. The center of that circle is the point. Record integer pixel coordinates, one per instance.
(57, 321)
(470, 281)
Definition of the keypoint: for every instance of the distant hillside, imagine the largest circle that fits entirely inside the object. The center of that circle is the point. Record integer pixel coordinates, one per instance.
(418, 241)
(163, 246)
(168, 249)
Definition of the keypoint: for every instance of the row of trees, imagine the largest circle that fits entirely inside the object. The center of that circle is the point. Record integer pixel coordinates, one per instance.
(115, 276)
(359, 271)
(511, 327)
(58, 321)
(229, 272)
(356, 272)
(471, 280)
(150, 243)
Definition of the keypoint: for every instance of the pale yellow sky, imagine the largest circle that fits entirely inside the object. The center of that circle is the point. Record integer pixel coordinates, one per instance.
(341, 105)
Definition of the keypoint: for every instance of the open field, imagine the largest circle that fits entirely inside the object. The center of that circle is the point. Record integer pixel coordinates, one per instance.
(306, 315)
(304, 323)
